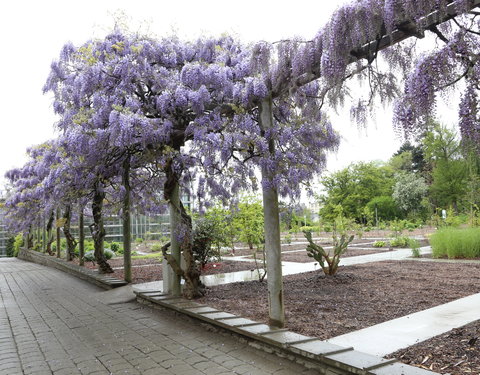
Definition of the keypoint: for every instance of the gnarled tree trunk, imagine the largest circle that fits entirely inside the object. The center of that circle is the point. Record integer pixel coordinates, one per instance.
(50, 236)
(98, 230)
(71, 242)
(181, 233)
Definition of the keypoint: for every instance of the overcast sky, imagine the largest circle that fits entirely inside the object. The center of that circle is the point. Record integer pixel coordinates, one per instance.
(33, 33)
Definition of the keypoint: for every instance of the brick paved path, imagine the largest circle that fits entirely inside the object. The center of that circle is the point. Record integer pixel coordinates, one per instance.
(51, 323)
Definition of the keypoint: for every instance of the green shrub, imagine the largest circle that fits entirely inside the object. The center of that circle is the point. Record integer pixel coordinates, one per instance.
(17, 244)
(399, 241)
(114, 246)
(415, 246)
(456, 243)
(90, 257)
(139, 240)
(9, 246)
(156, 247)
(327, 261)
(109, 254)
(120, 251)
(379, 244)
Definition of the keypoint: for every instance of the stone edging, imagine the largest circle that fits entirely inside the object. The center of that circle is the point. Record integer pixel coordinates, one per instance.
(103, 281)
(328, 358)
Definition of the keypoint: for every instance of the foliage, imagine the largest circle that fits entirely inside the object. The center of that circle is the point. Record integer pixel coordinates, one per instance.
(353, 188)
(386, 208)
(90, 256)
(115, 247)
(157, 246)
(17, 244)
(249, 220)
(399, 241)
(203, 233)
(157, 256)
(139, 240)
(456, 243)
(9, 246)
(379, 244)
(415, 246)
(408, 192)
(317, 252)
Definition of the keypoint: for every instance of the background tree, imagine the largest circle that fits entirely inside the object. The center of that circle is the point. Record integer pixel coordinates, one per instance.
(353, 188)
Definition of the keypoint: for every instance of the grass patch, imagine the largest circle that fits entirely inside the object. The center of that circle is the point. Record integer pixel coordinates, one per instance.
(456, 243)
(158, 256)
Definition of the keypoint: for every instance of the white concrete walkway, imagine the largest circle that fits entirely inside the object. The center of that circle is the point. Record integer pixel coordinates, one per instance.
(388, 337)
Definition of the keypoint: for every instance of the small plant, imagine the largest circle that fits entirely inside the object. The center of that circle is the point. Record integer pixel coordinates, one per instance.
(400, 241)
(379, 244)
(89, 256)
(288, 238)
(139, 240)
(262, 272)
(17, 244)
(328, 262)
(156, 247)
(415, 246)
(114, 247)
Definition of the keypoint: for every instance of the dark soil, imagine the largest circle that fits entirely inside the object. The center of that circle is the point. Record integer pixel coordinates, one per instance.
(302, 257)
(357, 297)
(455, 352)
(153, 272)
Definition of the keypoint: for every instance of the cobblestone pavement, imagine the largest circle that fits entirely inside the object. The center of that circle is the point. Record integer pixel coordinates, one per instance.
(51, 323)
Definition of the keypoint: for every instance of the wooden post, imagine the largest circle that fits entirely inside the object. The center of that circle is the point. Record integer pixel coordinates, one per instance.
(58, 232)
(272, 230)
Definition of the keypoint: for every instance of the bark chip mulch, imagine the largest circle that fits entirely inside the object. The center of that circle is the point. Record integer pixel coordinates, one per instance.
(455, 352)
(361, 296)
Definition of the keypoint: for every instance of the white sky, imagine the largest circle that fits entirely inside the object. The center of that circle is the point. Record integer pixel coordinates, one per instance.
(33, 33)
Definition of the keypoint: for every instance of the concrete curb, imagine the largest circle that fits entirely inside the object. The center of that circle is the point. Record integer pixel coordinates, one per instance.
(312, 352)
(103, 281)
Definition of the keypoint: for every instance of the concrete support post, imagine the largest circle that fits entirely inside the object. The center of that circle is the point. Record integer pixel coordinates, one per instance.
(272, 230)
(58, 232)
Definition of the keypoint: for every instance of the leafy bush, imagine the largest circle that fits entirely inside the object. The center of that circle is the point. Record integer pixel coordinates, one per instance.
(400, 241)
(386, 207)
(17, 244)
(332, 261)
(156, 247)
(139, 240)
(114, 246)
(456, 243)
(90, 256)
(9, 246)
(202, 241)
(109, 254)
(379, 244)
(415, 246)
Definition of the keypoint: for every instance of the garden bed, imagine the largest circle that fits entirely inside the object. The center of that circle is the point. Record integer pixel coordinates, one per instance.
(302, 256)
(146, 272)
(455, 352)
(358, 297)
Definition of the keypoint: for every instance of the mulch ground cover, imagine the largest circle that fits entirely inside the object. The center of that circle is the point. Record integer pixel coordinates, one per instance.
(302, 256)
(455, 352)
(358, 297)
(153, 271)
